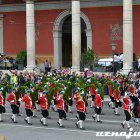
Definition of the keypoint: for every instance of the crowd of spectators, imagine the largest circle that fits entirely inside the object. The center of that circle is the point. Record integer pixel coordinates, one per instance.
(7, 62)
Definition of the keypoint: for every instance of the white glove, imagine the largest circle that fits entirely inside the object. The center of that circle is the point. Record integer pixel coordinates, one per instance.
(12, 101)
(117, 100)
(98, 107)
(19, 99)
(41, 95)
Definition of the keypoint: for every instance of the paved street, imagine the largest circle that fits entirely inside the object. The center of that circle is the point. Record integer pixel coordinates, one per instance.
(21, 131)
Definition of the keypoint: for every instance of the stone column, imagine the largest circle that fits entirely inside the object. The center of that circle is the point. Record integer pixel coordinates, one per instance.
(127, 35)
(76, 35)
(57, 35)
(30, 34)
(1, 33)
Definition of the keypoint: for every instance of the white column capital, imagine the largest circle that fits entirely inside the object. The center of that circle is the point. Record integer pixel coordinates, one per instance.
(30, 1)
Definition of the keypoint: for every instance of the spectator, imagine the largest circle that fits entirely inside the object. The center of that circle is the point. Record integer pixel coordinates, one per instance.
(46, 64)
(49, 67)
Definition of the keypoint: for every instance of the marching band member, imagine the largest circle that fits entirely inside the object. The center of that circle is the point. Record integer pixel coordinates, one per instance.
(117, 99)
(81, 111)
(77, 96)
(61, 108)
(97, 106)
(92, 92)
(110, 92)
(54, 102)
(28, 106)
(132, 90)
(40, 92)
(32, 91)
(127, 110)
(13, 101)
(135, 107)
(2, 105)
(70, 102)
(44, 107)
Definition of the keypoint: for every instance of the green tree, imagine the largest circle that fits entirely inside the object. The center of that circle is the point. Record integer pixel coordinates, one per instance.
(88, 57)
(21, 56)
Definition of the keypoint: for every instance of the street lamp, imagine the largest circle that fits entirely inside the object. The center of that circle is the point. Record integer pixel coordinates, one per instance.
(113, 45)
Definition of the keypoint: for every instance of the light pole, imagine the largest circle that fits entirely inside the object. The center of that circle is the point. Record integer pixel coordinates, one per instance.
(113, 45)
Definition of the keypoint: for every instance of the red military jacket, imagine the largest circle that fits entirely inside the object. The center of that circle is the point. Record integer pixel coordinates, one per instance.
(43, 103)
(110, 92)
(117, 98)
(97, 101)
(126, 104)
(28, 101)
(12, 98)
(92, 91)
(1, 100)
(132, 89)
(60, 103)
(80, 105)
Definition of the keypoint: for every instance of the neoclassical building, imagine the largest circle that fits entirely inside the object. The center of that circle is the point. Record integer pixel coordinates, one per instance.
(59, 30)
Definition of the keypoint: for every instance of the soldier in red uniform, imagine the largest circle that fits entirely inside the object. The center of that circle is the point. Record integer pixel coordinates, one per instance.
(32, 90)
(61, 108)
(81, 111)
(98, 107)
(2, 105)
(13, 101)
(135, 108)
(92, 92)
(40, 92)
(54, 103)
(117, 99)
(110, 92)
(70, 102)
(127, 110)
(77, 96)
(44, 108)
(28, 106)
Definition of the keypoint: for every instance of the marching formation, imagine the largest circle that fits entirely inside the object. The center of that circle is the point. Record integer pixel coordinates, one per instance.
(61, 90)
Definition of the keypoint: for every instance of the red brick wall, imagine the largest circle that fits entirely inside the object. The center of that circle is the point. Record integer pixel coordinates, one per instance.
(14, 32)
(45, 21)
(101, 18)
(136, 30)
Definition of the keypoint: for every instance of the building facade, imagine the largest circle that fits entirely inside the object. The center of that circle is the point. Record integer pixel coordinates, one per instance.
(50, 29)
